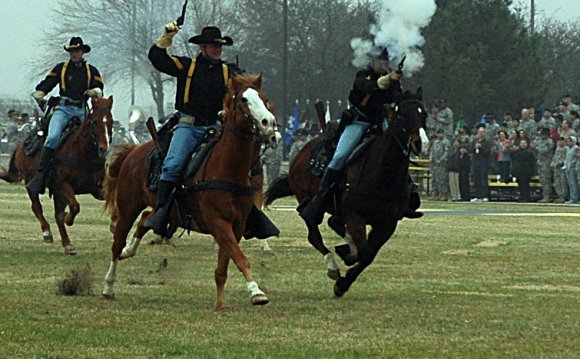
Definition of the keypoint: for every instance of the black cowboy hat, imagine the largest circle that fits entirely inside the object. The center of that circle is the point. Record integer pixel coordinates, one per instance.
(211, 35)
(76, 43)
(380, 53)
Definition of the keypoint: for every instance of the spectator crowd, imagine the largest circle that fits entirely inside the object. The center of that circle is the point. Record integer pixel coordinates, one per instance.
(512, 148)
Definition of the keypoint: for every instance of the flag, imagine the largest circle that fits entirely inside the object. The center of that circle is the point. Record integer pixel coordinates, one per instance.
(292, 126)
(327, 116)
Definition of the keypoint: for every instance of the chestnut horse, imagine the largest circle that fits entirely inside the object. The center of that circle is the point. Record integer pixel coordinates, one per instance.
(78, 168)
(218, 197)
(375, 191)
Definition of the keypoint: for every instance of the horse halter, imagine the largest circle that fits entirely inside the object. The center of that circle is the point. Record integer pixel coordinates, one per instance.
(254, 131)
(93, 136)
(399, 117)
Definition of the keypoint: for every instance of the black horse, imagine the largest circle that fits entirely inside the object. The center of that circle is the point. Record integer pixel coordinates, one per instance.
(376, 189)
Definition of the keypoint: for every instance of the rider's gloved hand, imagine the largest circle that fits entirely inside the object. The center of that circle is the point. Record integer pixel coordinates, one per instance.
(385, 81)
(95, 92)
(38, 95)
(166, 39)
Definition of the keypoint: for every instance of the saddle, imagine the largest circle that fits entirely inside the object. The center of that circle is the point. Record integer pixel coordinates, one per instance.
(154, 161)
(324, 149)
(34, 142)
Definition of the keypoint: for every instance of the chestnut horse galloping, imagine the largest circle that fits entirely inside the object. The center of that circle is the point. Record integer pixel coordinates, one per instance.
(218, 197)
(78, 168)
(375, 192)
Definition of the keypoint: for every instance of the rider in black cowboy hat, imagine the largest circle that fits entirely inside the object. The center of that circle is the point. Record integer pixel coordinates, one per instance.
(373, 87)
(201, 87)
(77, 81)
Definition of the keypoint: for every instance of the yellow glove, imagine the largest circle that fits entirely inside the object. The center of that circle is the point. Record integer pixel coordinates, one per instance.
(385, 81)
(165, 40)
(96, 92)
(38, 95)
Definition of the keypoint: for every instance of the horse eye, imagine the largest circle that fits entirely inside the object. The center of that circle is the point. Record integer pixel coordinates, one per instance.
(419, 110)
(244, 100)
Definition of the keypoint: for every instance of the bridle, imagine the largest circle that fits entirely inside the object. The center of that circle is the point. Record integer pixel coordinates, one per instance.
(91, 120)
(254, 132)
(398, 116)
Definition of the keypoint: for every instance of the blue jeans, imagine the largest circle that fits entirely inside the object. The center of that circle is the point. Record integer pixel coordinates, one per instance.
(184, 141)
(571, 176)
(60, 119)
(348, 141)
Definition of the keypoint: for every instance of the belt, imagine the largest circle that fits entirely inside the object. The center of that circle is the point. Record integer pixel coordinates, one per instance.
(187, 120)
(65, 102)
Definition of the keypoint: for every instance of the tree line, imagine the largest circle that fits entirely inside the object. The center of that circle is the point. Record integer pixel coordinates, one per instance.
(479, 55)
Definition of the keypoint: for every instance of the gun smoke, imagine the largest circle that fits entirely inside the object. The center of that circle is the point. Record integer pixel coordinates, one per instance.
(398, 28)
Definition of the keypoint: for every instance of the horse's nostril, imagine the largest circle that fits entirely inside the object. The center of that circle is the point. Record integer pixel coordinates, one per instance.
(264, 122)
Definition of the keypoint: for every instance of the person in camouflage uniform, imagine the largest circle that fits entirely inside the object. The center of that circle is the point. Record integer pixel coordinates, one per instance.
(444, 119)
(544, 146)
(301, 138)
(492, 128)
(438, 157)
(431, 123)
(564, 111)
(571, 106)
(528, 124)
(272, 158)
(547, 119)
(575, 121)
(560, 184)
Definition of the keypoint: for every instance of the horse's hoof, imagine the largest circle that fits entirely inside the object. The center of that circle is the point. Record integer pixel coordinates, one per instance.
(70, 250)
(109, 296)
(338, 291)
(47, 237)
(112, 228)
(260, 299)
(333, 274)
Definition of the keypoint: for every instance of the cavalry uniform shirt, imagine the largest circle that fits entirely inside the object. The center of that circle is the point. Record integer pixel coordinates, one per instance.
(368, 98)
(201, 83)
(73, 78)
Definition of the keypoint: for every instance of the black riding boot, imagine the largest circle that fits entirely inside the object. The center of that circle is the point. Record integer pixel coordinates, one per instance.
(38, 182)
(313, 211)
(158, 221)
(260, 226)
(414, 204)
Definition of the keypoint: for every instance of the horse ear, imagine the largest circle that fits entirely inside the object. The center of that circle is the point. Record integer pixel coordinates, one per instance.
(258, 81)
(420, 93)
(234, 82)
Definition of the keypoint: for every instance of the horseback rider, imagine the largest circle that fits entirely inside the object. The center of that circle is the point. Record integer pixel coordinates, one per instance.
(374, 86)
(78, 80)
(201, 87)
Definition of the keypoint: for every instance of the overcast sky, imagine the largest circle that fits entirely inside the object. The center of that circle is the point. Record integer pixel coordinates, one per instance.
(24, 20)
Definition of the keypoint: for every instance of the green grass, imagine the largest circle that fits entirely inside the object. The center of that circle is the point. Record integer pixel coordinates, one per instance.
(443, 287)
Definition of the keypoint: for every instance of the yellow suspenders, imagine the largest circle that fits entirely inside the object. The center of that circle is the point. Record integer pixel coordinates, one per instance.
(63, 80)
(190, 71)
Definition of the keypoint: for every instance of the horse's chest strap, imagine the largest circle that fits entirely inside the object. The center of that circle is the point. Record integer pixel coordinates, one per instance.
(233, 188)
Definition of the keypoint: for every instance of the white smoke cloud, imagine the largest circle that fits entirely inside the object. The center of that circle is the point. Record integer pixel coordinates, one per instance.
(399, 29)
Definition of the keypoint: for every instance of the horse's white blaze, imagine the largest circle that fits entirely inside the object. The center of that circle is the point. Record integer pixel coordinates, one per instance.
(110, 278)
(254, 289)
(266, 121)
(131, 248)
(424, 140)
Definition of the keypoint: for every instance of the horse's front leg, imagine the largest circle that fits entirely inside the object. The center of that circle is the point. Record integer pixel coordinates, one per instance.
(315, 239)
(36, 207)
(68, 194)
(368, 250)
(221, 276)
(228, 242)
(59, 215)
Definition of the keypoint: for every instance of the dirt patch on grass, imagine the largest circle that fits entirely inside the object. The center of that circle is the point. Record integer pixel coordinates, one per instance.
(456, 252)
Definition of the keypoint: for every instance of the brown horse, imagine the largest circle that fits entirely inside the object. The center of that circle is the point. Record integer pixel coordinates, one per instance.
(375, 191)
(79, 168)
(218, 197)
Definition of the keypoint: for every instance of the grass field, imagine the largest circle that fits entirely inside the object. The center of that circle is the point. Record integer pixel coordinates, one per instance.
(446, 286)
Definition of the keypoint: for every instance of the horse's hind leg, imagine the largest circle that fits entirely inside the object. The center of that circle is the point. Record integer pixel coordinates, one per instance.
(122, 229)
(315, 239)
(368, 250)
(36, 207)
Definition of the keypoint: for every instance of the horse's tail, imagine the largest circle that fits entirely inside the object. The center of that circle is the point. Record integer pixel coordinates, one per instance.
(13, 175)
(111, 178)
(279, 188)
